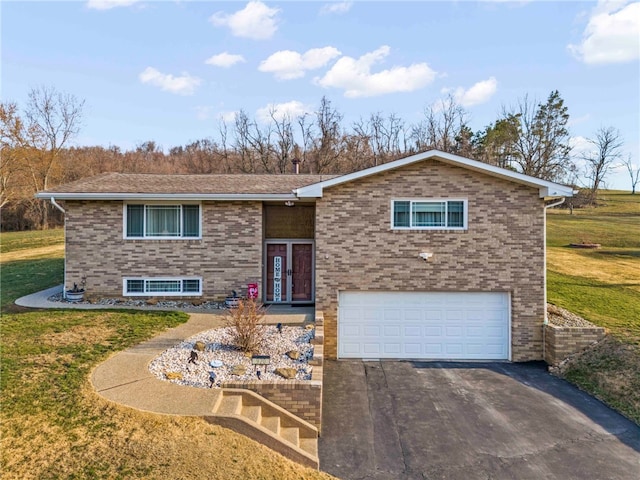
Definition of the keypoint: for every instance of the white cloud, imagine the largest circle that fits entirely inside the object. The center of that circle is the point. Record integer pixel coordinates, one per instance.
(224, 60)
(183, 85)
(612, 34)
(203, 112)
(255, 20)
(292, 109)
(228, 117)
(336, 7)
(479, 93)
(287, 64)
(109, 4)
(355, 78)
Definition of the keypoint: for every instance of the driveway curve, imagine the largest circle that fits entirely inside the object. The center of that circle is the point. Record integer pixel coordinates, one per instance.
(437, 420)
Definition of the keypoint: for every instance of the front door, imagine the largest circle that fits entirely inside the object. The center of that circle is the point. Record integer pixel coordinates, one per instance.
(289, 271)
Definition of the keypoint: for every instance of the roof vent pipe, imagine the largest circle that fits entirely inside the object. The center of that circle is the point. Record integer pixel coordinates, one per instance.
(296, 165)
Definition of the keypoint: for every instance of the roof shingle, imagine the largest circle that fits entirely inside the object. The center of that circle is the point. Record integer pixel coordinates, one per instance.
(238, 184)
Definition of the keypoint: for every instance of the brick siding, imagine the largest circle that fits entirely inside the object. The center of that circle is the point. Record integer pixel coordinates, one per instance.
(502, 250)
(228, 256)
(562, 342)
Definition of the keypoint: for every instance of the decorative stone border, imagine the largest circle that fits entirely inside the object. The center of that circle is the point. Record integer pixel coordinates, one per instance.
(302, 398)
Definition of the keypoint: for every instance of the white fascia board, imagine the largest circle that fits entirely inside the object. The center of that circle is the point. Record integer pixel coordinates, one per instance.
(546, 188)
(168, 196)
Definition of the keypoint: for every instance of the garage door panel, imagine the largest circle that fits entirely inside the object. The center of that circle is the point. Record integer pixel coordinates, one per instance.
(428, 325)
(371, 330)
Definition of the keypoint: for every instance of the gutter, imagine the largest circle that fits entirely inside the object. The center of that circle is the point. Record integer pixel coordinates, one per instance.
(57, 205)
(554, 204)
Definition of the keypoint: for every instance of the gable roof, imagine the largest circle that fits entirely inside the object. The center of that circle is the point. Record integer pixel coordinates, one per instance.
(547, 189)
(133, 186)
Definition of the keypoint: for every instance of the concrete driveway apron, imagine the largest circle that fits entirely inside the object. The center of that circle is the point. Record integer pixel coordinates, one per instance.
(437, 420)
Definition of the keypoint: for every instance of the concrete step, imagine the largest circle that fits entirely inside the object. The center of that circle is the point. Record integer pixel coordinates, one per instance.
(271, 423)
(230, 405)
(256, 417)
(309, 445)
(252, 412)
(291, 435)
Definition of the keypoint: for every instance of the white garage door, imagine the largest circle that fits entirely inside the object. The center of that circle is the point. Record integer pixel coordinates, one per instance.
(423, 325)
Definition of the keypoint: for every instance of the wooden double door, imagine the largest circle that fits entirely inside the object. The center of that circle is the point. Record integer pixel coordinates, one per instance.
(289, 271)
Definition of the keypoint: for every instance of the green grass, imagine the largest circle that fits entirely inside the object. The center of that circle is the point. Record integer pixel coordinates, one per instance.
(615, 307)
(12, 241)
(610, 370)
(30, 337)
(23, 277)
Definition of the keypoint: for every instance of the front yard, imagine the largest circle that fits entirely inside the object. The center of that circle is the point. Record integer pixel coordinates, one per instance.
(55, 426)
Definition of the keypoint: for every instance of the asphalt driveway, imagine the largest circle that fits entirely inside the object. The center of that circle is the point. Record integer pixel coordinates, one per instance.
(436, 420)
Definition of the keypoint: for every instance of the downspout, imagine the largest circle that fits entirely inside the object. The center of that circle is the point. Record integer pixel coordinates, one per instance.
(64, 213)
(546, 316)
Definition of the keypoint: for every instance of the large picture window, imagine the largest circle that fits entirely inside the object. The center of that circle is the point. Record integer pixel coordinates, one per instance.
(162, 286)
(162, 221)
(429, 214)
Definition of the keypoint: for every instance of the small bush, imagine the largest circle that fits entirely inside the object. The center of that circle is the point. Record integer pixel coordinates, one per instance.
(245, 320)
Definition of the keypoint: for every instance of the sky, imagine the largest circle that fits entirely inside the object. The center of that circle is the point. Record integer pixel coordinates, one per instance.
(168, 71)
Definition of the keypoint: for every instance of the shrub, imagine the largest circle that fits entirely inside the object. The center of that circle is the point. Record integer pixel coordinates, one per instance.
(245, 320)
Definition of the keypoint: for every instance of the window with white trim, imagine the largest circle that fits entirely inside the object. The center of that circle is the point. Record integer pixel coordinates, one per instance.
(162, 220)
(191, 286)
(422, 214)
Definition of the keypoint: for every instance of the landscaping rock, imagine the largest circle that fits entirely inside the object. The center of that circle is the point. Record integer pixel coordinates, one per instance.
(173, 375)
(152, 301)
(200, 346)
(288, 373)
(239, 370)
(293, 354)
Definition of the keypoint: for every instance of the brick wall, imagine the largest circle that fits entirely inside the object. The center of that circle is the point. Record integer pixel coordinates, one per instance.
(562, 342)
(302, 398)
(228, 256)
(502, 250)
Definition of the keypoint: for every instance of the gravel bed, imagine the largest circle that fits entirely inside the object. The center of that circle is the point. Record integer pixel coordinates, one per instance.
(129, 302)
(561, 317)
(218, 346)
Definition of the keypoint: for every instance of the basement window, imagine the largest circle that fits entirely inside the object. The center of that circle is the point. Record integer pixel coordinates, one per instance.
(191, 286)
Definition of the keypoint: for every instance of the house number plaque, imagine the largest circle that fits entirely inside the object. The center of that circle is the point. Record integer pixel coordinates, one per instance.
(277, 279)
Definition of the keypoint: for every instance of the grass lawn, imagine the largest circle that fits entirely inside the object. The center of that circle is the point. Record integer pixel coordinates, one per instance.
(603, 286)
(55, 426)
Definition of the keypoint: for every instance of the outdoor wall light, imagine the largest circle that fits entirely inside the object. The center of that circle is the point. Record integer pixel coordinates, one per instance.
(426, 255)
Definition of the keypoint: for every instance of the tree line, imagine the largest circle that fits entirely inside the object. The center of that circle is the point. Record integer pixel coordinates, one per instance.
(530, 137)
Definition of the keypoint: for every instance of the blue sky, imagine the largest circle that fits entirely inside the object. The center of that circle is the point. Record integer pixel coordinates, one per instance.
(169, 70)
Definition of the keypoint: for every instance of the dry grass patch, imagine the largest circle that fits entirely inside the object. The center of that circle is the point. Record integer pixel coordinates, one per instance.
(51, 251)
(610, 266)
(610, 371)
(135, 444)
(55, 426)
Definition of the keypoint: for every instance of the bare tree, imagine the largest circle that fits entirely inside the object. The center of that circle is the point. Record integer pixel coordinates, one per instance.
(284, 144)
(634, 173)
(53, 120)
(607, 145)
(442, 124)
(12, 151)
(327, 144)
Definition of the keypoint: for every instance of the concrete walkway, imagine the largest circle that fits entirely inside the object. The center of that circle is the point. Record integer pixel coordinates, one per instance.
(125, 377)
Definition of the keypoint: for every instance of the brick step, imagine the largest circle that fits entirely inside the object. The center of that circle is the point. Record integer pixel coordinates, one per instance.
(256, 417)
